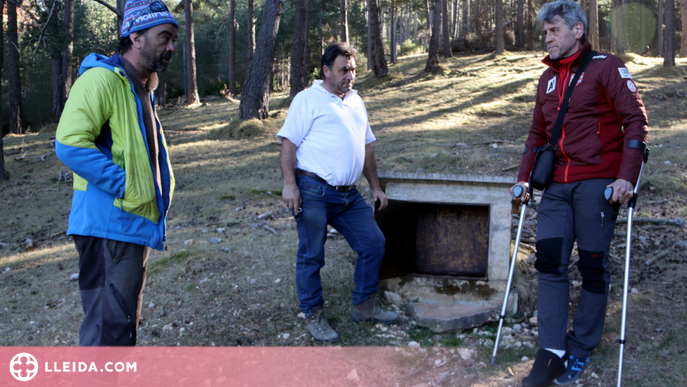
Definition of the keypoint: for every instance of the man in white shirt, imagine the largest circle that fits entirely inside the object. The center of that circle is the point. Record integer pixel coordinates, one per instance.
(326, 143)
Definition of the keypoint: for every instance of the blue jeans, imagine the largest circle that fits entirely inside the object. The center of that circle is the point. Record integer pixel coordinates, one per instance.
(348, 213)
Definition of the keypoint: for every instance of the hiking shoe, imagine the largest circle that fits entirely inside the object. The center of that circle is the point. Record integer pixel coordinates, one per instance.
(318, 326)
(369, 311)
(573, 370)
(547, 366)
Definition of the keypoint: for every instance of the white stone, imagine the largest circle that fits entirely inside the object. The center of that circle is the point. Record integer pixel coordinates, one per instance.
(278, 280)
(413, 344)
(285, 336)
(465, 353)
(634, 290)
(517, 327)
(151, 305)
(189, 243)
(394, 298)
(353, 375)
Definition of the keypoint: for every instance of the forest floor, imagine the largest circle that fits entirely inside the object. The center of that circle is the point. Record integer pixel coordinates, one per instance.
(470, 118)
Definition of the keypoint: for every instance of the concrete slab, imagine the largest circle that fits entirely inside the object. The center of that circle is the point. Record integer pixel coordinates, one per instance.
(451, 316)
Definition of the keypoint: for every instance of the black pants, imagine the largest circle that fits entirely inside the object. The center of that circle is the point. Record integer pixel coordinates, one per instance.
(112, 275)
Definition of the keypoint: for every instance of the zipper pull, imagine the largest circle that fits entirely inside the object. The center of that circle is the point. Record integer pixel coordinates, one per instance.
(602, 218)
(164, 242)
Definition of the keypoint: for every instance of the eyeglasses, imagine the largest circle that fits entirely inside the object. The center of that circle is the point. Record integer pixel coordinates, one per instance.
(155, 6)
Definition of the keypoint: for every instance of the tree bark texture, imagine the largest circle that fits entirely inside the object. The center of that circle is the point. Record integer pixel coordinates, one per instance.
(369, 38)
(466, 18)
(683, 43)
(593, 30)
(376, 59)
(669, 53)
(344, 21)
(191, 85)
(255, 92)
(520, 25)
(121, 4)
(232, 48)
(16, 114)
(498, 14)
(250, 44)
(55, 63)
(659, 28)
(446, 31)
(392, 34)
(433, 55)
(299, 71)
(67, 68)
(3, 173)
(455, 21)
(428, 25)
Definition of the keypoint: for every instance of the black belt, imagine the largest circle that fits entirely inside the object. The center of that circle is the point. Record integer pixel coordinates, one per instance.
(340, 188)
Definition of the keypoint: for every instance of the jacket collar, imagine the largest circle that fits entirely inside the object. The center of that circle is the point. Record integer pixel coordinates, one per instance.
(573, 61)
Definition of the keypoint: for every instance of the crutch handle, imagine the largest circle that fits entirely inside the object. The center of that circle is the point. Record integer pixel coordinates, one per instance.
(608, 193)
(517, 191)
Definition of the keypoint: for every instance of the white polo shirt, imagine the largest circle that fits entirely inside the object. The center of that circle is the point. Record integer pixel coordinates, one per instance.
(330, 134)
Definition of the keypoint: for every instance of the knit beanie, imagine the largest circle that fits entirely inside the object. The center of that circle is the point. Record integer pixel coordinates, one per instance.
(143, 14)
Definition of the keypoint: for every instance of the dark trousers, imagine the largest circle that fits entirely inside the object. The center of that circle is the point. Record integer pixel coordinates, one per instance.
(112, 275)
(568, 213)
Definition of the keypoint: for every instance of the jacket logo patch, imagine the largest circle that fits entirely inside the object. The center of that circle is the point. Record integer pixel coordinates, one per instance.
(631, 86)
(624, 73)
(551, 86)
(600, 56)
(578, 81)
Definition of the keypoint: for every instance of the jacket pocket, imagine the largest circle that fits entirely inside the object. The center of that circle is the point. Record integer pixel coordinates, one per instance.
(585, 148)
(139, 190)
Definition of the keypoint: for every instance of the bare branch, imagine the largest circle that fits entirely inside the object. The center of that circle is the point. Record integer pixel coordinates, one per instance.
(111, 8)
(40, 36)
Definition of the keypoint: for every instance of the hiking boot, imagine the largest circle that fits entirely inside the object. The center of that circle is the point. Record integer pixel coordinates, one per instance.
(573, 370)
(369, 311)
(318, 326)
(547, 366)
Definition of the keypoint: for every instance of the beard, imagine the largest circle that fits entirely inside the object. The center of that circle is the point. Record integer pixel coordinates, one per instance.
(153, 62)
(563, 50)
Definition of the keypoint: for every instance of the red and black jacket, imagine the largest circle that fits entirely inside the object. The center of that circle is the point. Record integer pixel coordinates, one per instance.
(604, 114)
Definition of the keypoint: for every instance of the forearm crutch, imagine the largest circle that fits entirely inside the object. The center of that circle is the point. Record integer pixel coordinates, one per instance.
(608, 193)
(517, 192)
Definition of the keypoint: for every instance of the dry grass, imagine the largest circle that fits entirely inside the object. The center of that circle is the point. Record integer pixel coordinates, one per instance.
(470, 118)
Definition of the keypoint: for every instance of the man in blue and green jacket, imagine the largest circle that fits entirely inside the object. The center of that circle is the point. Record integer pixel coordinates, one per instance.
(111, 138)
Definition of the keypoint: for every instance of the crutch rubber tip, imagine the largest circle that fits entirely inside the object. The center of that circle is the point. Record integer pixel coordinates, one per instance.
(492, 361)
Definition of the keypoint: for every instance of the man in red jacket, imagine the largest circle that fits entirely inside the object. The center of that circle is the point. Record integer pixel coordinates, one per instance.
(601, 145)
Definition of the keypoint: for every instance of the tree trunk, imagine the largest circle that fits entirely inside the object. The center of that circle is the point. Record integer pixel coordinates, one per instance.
(669, 53)
(415, 26)
(445, 27)
(455, 23)
(520, 25)
(344, 21)
(67, 68)
(250, 44)
(466, 18)
(191, 85)
(232, 48)
(3, 173)
(376, 59)
(161, 91)
(299, 72)
(53, 30)
(433, 55)
(321, 28)
(593, 35)
(255, 98)
(17, 124)
(121, 4)
(478, 18)
(683, 43)
(392, 34)
(499, 26)
(369, 38)
(659, 27)
(428, 25)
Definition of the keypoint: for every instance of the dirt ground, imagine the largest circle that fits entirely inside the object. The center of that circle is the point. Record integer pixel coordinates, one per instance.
(471, 118)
